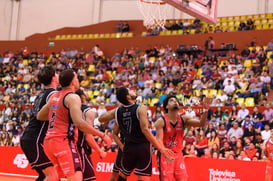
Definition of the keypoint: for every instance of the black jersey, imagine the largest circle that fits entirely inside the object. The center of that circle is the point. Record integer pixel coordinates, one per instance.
(128, 121)
(36, 130)
(81, 136)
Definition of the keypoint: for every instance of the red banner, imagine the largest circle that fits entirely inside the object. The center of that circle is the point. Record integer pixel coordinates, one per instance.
(14, 163)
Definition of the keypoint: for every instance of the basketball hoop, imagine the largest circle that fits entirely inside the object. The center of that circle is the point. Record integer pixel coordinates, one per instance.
(154, 12)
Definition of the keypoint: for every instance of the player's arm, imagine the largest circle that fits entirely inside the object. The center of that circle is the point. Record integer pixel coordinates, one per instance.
(90, 115)
(159, 126)
(189, 121)
(142, 112)
(116, 137)
(73, 103)
(43, 113)
(108, 116)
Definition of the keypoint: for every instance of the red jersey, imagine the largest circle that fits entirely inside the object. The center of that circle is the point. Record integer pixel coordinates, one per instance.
(60, 122)
(269, 149)
(173, 134)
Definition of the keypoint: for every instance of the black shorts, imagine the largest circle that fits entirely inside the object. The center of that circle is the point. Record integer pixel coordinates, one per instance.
(117, 163)
(138, 157)
(87, 166)
(35, 154)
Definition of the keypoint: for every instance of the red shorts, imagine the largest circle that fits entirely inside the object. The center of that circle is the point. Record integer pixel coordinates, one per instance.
(63, 154)
(176, 169)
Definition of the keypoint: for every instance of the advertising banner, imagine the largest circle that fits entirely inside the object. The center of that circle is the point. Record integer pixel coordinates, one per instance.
(14, 163)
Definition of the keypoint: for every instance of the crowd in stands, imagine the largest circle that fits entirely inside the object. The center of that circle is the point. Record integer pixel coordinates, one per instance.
(153, 73)
(196, 27)
(123, 27)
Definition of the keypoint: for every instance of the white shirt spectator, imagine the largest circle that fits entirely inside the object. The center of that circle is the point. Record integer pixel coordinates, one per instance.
(227, 79)
(265, 134)
(242, 113)
(190, 113)
(229, 88)
(222, 97)
(237, 133)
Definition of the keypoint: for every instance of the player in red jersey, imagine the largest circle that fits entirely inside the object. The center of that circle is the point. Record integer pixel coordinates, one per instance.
(268, 154)
(64, 113)
(170, 133)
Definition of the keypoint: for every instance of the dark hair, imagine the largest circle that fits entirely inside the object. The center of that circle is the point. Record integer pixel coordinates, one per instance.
(166, 100)
(66, 77)
(122, 93)
(79, 92)
(46, 74)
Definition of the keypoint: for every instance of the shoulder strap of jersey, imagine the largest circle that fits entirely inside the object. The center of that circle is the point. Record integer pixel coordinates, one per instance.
(163, 117)
(183, 123)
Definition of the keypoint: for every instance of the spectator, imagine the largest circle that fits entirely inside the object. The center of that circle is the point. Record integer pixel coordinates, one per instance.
(214, 139)
(249, 132)
(268, 115)
(243, 156)
(249, 24)
(226, 149)
(242, 26)
(190, 139)
(242, 113)
(229, 89)
(266, 132)
(235, 131)
(201, 143)
(257, 119)
(270, 45)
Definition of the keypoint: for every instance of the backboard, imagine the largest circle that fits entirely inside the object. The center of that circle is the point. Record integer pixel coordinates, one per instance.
(205, 10)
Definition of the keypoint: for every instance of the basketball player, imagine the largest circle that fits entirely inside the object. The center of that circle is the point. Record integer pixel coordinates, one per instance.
(86, 141)
(64, 113)
(131, 120)
(268, 154)
(170, 132)
(117, 165)
(33, 137)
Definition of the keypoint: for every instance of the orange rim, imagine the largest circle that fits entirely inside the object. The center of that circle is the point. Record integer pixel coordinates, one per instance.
(151, 2)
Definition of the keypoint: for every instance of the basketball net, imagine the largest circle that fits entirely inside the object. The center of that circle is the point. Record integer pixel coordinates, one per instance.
(154, 13)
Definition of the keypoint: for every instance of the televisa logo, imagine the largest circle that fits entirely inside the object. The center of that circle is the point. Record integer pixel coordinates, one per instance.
(219, 175)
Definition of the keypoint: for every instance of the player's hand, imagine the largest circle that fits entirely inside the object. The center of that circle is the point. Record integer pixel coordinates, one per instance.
(207, 103)
(102, 154)
(107, 140)
(168, 154)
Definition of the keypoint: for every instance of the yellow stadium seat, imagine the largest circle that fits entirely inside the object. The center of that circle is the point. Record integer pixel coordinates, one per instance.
(101, 35)
(26, 86)
(80, 36)
(240, 101)
(85, 36)
(118, 35)
(130, 34)
(212, 92)
(90, 94)
(154, 101)
(25, 61)
(206, 92)
(168, 32)
(180, 32)
(247, 63)
(58, 37)
(113, 35)
(96, 35)
(107, 35)
(158, 85)
(96, 93)
(249, 102)
(74, 36)
(90, 36)
(174, 32)
(269, 54)
(91, 68)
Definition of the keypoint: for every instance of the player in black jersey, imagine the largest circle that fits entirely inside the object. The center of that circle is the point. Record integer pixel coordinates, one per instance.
(34, 134)
(86, 141)
(132, 121)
